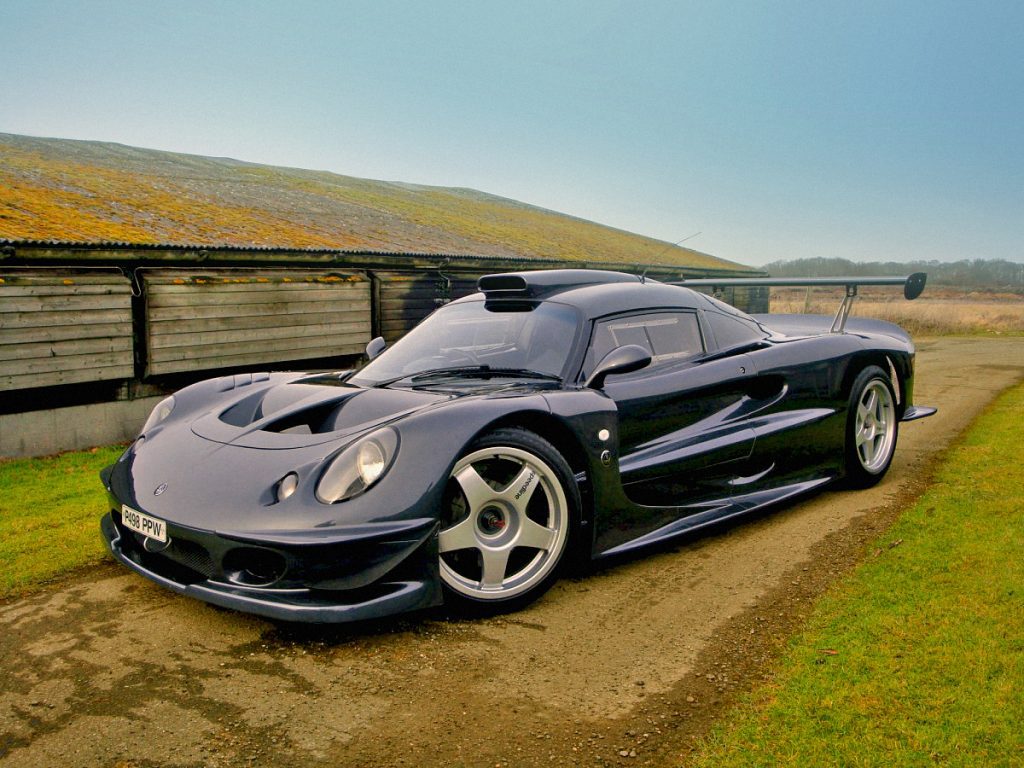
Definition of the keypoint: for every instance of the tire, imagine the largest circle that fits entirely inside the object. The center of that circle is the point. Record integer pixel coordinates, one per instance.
(872, 428)
(510, 509)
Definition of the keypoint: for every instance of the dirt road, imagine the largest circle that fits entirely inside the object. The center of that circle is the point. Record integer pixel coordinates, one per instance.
(623, 666)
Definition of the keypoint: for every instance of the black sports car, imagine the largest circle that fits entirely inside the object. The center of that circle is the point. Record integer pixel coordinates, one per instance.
(557, 415)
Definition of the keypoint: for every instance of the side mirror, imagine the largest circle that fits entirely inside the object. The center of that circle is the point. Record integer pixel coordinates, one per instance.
(375, 347)
(627, 359)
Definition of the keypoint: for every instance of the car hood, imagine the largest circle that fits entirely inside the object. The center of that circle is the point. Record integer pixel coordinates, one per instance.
(307, 411)
(215, 463)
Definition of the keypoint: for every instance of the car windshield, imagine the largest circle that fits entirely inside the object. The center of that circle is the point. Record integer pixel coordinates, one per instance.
(474, 338)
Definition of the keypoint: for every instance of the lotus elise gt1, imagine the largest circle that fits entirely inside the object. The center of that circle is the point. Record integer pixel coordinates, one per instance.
(551, 417)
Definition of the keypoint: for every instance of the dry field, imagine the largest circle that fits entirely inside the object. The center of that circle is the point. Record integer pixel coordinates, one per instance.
(939, 311)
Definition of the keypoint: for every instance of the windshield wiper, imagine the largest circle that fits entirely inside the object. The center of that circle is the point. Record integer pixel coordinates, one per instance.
(486, 372)
(470, 372)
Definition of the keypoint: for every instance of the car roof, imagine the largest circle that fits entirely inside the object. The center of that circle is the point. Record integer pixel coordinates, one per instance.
(594, 292)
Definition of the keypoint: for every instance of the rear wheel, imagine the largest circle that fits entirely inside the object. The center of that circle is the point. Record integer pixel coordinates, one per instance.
(871, 428)
(509, 509)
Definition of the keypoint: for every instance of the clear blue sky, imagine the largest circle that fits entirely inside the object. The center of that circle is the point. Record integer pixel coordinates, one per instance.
(867, 130)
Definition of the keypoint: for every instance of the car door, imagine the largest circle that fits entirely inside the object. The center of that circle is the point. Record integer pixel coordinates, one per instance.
(800, 437)
(682, 436)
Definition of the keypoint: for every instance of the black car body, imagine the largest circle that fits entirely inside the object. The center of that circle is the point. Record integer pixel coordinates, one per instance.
(553, 415)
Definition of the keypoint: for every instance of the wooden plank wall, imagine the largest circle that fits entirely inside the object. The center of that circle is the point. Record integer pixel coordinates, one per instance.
(202, 321)
(64, 328)
(750, 300)
(408, 297)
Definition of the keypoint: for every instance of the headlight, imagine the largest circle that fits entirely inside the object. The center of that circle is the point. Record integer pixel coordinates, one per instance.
(286, 486)
(358, 467)
(160, 413)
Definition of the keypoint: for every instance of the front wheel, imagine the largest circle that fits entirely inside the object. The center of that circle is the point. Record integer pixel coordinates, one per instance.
(508, 514)
(871, 428)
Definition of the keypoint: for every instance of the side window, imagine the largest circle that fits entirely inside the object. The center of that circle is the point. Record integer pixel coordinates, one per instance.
(668, 336)
(731, 331)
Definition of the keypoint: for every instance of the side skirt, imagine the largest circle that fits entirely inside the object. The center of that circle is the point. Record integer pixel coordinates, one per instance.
(709, 513)
(918, 412)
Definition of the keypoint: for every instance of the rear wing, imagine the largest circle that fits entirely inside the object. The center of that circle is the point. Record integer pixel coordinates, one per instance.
(912, 284)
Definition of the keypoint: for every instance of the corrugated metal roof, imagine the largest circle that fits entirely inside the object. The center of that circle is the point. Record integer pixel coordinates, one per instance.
(125, 245)
(437, 259)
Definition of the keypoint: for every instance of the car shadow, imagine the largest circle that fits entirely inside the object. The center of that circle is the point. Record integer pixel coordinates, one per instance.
(425, 621)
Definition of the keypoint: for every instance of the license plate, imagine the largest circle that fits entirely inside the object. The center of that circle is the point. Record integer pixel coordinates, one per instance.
(144, 524)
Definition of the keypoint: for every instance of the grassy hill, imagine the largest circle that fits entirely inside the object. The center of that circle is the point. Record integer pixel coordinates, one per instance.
(58, 189)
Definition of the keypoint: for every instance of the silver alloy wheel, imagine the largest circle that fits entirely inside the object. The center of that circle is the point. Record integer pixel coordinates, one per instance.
(875, 426)
(518, 528)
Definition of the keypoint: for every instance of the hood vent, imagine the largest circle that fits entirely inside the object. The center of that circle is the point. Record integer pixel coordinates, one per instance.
(304, 408)
(308, 421)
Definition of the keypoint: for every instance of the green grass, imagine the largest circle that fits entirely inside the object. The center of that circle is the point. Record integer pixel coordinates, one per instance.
(918, 658)
(49, 516)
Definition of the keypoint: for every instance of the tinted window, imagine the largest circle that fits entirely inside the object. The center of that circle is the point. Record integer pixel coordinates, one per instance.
(733, 330)
(668, 336)
(524, 336)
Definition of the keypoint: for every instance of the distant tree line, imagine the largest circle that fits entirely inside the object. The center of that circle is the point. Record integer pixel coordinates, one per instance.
(981, 274)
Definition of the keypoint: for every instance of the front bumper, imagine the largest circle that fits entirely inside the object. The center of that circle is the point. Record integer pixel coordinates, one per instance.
(340, 577)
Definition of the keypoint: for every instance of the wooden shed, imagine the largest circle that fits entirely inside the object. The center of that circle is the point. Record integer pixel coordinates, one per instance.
(92, 334)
